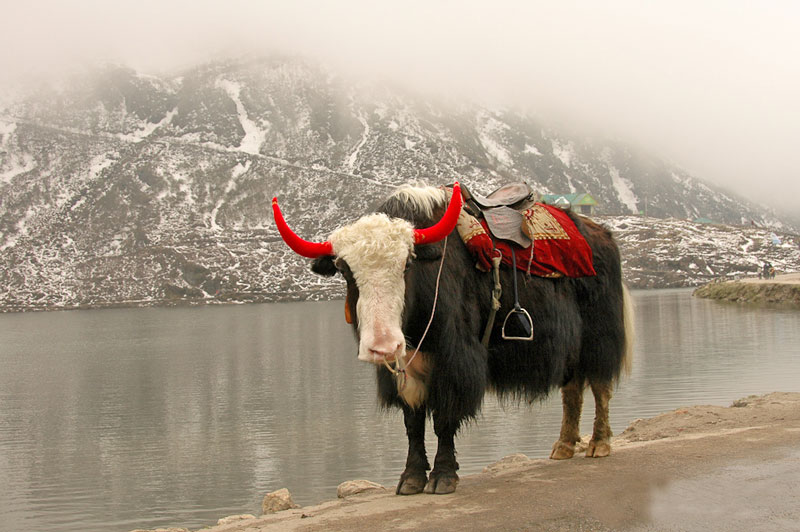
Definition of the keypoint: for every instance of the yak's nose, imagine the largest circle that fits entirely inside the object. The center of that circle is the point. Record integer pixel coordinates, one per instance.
(386, 350)
(382, 347)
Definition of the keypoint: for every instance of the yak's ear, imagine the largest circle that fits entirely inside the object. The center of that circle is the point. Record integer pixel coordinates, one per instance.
(428, 252)
(324, 266)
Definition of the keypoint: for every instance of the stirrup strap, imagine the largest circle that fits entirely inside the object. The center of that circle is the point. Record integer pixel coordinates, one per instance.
(496, 293)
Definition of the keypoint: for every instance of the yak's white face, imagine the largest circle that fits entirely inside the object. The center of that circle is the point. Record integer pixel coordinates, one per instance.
(376, 249)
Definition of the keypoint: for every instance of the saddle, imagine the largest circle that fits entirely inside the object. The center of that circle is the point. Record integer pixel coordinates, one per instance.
(512, 195)
(502, 210)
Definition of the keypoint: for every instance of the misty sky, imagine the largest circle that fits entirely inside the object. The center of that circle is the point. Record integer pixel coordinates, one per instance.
(711, 85)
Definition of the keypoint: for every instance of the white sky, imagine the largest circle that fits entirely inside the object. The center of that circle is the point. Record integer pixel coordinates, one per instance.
(713, 85)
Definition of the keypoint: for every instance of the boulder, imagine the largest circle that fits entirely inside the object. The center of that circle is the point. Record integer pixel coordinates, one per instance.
(511, 461)
(234, 518)
(278, 501)
(161, 530)
(351, 487)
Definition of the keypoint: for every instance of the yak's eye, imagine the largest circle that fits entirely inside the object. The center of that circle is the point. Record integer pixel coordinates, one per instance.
(409, 262)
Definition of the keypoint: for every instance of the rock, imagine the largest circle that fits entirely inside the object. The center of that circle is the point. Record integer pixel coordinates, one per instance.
(278, 501)
(161, 530)
(234, 518)
(509, 462)
(351, 487)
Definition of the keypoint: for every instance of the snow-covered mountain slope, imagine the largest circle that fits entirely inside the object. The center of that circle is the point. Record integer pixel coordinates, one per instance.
(674, 253)
(121, 188)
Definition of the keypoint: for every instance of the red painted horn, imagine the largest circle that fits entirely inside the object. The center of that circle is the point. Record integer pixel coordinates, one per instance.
(311, 250)
(444, 226)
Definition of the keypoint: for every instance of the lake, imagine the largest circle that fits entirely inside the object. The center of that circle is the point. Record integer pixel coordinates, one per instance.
(137, 418)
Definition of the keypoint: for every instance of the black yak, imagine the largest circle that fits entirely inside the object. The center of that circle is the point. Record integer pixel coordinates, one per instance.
(417, 301)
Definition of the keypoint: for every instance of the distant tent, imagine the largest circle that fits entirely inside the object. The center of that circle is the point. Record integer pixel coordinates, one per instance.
(703, 221)
(583, 203)
(775, 239)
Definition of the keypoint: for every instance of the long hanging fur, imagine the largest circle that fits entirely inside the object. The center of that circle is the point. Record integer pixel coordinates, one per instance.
(582, 327)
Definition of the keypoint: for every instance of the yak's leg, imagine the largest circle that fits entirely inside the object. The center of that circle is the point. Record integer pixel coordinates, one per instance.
(443, 477)
(415, 474)
(600, 444)
(572, 402)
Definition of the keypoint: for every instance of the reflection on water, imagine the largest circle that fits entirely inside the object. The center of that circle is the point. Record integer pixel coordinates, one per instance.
(137, 418)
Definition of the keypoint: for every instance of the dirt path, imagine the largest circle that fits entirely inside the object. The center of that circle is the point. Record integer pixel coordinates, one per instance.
(699, 468)
(784, 278)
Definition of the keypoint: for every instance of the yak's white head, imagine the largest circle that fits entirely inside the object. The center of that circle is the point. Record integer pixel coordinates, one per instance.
(376, 249)
(373, 252)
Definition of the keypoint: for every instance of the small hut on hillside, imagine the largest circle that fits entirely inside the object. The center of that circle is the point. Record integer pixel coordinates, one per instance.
(582, 203)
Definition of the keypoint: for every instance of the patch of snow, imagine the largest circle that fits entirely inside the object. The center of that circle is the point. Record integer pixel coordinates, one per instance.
(351, 160)
(254, 136)
(185, 187)
(488, 133)
(238, 170)
(97, 165)
(19, 165)
(78, 204)
(572, 188)
(532, 149)
(563, 152)
(6, 128)
(22, 230)
(624, 189)
(381, 111)
(12, 166)
(148, 128)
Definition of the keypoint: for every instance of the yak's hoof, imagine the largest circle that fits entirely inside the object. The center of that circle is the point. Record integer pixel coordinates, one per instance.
(412, 483)
(598, 449)
(442, 484)
(562, 450)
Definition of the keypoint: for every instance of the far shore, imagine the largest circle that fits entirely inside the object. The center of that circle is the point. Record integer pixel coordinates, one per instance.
(298, 296)
(783, 290)
(782, 278)
(700, 468)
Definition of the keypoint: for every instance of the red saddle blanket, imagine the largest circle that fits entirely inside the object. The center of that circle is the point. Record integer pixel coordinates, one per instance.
(559, 249)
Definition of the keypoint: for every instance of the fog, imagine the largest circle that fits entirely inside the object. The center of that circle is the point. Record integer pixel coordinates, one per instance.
(711, 85)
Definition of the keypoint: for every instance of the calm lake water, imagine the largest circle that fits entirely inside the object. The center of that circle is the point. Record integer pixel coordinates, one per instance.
(136, 418)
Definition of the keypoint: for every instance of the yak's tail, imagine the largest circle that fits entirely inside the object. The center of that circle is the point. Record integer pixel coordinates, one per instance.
(627, 316)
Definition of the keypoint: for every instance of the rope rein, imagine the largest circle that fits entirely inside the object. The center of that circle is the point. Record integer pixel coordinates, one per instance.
(399, 371)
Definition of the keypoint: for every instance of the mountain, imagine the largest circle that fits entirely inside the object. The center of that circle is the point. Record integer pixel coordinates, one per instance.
(121, 188)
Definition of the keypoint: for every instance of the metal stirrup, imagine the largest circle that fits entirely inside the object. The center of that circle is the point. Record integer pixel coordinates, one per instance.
(525, 320)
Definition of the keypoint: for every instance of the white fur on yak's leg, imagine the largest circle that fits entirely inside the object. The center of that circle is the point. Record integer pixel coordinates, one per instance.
(413, 389)
(414, 392)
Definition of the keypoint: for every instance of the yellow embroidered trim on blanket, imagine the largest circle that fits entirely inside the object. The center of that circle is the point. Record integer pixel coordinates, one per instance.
(541, 225)
(468, 226)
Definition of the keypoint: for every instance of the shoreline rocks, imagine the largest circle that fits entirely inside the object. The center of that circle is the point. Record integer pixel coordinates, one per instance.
(278, 501)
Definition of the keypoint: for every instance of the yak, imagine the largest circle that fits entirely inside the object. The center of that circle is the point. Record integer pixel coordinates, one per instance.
(419, 306)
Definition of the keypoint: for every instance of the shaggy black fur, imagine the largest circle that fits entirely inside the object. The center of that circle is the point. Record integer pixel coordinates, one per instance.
(578, 326)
